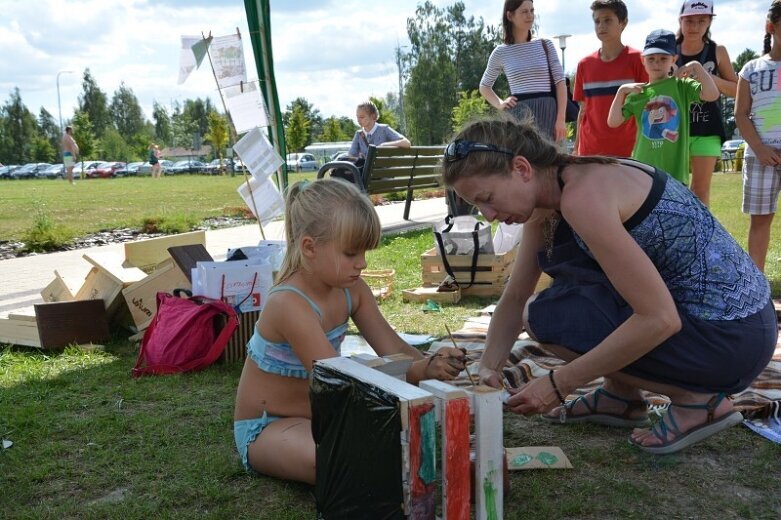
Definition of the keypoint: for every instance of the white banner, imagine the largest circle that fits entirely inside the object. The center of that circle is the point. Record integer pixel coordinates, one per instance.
(268, 200)
(258, 154)
(246, 106)
(186, 57)
(228, 60)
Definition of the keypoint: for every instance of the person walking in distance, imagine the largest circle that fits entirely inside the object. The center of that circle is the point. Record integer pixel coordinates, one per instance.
(154, 160)
(70, 152)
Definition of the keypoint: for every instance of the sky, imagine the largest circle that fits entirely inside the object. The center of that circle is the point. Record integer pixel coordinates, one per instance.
(334, 53)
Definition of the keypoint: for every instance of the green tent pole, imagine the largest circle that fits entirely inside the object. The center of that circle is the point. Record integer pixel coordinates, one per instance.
(259, 24)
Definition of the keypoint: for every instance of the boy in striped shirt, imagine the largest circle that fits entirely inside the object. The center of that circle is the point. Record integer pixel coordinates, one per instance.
(597, 80)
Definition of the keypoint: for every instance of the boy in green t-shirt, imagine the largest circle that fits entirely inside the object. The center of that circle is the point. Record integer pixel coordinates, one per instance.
(661, 106)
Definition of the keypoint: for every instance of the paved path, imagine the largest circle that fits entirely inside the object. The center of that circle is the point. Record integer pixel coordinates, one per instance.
(22, 279)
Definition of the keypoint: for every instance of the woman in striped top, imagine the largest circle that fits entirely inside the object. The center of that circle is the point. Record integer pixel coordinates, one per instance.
(533, 71)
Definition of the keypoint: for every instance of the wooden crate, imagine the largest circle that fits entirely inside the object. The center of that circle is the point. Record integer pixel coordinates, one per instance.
(422, 294)
(98, 285)
(236, 350)
(58, 290)
(141, 297)
(64, 323)
(491, 275)
(146, 254)
(19, 330)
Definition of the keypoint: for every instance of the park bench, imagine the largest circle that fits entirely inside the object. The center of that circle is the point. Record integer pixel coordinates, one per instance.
(390, 170)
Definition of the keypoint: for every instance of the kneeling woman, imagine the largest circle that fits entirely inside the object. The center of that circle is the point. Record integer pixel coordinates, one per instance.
(649, 290)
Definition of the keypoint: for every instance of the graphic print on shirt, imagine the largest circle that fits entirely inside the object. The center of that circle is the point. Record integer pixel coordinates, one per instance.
(661, 119)
(767, 81)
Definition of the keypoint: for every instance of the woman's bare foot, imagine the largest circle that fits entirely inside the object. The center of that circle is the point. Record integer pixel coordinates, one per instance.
(690, 418)
(611, 405)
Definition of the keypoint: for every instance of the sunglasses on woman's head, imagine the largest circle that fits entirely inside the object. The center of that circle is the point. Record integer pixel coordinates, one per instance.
(460, 148)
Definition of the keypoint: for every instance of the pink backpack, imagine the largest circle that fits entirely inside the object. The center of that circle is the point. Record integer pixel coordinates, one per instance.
(186, 334)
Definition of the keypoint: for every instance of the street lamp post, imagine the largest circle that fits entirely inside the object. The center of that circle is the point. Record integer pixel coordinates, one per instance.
(59, 107)
(563, 46)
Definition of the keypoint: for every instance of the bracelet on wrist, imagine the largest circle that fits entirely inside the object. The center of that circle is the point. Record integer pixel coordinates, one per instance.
(556, 388)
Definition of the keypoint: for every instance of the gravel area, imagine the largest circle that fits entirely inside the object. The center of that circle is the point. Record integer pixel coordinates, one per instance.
(13, 249)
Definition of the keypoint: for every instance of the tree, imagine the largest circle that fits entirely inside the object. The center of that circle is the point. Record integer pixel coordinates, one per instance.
(50, 130)
(84, 135)
(94, 103)
(126, 113)
(163, 127)
(297, 130)
(42, 150)
(744, 57)
(310, 113)
(332, 131)
(218, 133)
(113, 146)
(348, 126)
(448, 54)
(194, 118)
(470, 106)
(386, 115)
(19, 130)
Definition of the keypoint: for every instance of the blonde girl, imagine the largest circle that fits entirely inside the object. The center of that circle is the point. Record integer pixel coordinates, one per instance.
(329, 226)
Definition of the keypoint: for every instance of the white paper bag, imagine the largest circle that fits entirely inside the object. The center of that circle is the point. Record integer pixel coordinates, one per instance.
(242, 285)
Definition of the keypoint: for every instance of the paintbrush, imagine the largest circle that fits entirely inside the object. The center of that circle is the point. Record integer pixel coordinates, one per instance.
(455, 345)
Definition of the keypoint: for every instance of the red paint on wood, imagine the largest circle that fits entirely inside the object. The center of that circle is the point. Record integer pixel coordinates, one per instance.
(458, 474)
(421, 495)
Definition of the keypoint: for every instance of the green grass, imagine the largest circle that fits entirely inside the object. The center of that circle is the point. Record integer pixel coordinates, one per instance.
(91, 442)
(99, 204)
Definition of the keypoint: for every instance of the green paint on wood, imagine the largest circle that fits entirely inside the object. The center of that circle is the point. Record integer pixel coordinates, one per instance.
(521, 460)
(490, 496)
(548, 459)
(428, 447)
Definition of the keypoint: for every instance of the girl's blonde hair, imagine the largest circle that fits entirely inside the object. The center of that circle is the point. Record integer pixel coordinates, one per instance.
(327, 210)
(520, 137)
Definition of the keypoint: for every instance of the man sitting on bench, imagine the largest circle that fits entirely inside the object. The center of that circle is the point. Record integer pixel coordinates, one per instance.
(371, 132)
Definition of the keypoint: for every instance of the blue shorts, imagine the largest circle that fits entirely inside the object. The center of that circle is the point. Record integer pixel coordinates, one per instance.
(245, 432)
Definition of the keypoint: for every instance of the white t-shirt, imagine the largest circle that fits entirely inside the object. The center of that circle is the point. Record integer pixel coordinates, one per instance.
(764, 78)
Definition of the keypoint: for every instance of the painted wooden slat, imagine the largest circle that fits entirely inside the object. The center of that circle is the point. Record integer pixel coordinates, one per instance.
(489, 453)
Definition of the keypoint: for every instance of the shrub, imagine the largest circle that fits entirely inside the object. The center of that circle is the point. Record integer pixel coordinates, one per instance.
(44, 235)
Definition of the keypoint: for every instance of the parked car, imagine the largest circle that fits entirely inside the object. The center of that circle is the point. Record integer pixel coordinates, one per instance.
(301, 161)
(338, 156)
(5, 171)
(731, 146)
(239, 166)
(165, 166)
(188, 166)
(128, 170)
(55, 171)
(28, 171)
(83, 166)
(214, 168)
(104, 170)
